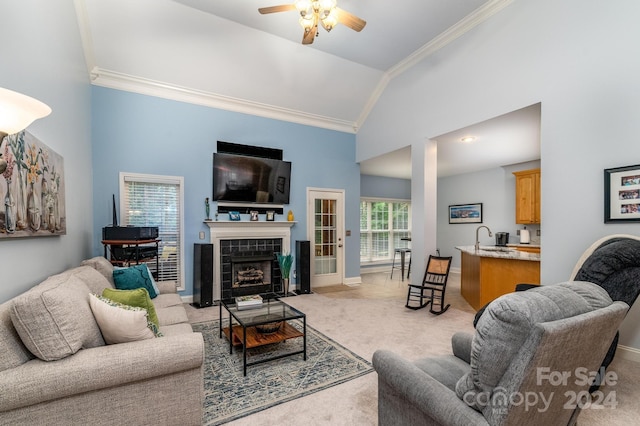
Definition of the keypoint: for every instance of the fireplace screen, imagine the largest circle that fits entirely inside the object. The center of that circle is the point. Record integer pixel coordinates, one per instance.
(252, 270)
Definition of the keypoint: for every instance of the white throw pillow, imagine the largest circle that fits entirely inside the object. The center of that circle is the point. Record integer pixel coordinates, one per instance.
(120, 323)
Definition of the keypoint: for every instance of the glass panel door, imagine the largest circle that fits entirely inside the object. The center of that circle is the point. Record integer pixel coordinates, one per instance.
(325, 241)
(326, 236)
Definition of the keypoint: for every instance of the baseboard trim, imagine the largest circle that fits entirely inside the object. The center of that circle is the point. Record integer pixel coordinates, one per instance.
(375, 269)
(353, 281)
(628, 353)
(187, 299)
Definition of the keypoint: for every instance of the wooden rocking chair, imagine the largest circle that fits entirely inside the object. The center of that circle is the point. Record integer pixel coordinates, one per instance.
(433, 285)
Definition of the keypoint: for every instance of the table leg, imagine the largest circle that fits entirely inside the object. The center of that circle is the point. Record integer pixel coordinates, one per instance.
(230, 335)
(402, 264)
(220, 316)
(304, 336)
(244, 349)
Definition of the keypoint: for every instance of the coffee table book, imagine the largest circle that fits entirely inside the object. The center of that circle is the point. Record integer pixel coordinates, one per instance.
(248, 302)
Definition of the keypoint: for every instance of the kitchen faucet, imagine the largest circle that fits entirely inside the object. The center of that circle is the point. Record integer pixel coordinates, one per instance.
(477, 238)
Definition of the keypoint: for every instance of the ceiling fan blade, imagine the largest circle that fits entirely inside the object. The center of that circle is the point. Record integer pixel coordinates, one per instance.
(310, 35)
(349, 20)
(274, 9)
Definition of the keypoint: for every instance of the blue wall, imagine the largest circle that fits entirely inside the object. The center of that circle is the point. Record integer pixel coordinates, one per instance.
(384, 187)
(143, 134)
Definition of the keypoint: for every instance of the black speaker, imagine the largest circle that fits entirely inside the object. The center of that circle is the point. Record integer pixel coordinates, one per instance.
(202, 275)
(303, 266)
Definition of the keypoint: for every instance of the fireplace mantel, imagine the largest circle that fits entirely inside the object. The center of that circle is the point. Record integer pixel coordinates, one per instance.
(246, 225)
(244, 229)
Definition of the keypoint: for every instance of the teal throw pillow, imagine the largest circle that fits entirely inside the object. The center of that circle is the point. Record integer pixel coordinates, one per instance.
(134, 277)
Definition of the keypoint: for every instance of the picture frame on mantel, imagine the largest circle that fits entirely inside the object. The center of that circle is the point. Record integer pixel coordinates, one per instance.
(465, 213)
(622, 194)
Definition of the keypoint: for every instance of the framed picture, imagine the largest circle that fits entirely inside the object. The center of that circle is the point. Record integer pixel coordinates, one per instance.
(271, 215)
(622, 194)
(465, 213)
(234, 215)
(254, 215)
(33, 189)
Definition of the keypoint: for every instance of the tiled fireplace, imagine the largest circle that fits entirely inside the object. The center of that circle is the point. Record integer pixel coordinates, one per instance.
(244, 255)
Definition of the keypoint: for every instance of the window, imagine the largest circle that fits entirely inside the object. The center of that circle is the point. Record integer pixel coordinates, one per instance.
(150, 200)
(383, 224)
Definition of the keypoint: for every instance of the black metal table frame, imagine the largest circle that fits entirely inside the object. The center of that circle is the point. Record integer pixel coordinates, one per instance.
(244, 326)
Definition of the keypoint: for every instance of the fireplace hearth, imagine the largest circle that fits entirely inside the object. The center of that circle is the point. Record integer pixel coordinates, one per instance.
(250, 266)
(245, 239)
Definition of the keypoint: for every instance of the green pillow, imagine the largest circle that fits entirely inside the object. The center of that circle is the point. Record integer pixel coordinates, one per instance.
(134, 277)
(138, 297)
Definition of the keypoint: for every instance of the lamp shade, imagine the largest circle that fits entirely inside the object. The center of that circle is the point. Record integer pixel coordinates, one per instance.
(17, 111)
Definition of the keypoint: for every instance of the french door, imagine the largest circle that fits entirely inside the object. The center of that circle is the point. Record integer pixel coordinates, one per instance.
(325, 219)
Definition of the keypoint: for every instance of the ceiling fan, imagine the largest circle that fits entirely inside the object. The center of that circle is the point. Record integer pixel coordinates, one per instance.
(313, 12)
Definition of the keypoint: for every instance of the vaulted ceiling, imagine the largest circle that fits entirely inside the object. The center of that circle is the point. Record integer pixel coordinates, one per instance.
(224, 54)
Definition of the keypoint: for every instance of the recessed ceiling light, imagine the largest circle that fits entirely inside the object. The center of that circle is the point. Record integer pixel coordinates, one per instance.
(468, 139)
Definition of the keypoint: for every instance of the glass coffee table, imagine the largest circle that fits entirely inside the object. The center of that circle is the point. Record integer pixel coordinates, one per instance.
(263, 325)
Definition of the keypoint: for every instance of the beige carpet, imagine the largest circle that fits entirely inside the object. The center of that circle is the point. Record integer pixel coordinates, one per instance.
(372, 316)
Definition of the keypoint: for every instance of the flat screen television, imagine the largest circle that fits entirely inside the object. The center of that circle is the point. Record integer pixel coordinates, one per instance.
(240, 178)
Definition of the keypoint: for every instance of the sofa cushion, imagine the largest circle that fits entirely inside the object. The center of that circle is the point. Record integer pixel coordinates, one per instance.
(507, 323)
(14, 352)
(138, 297)
(172, 315)
(133, 277)
(54, 319)
(101, 265)
(166, 300)
(121, 323)
(91, 277)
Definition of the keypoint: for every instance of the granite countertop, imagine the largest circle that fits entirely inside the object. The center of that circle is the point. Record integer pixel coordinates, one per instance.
(500, 253)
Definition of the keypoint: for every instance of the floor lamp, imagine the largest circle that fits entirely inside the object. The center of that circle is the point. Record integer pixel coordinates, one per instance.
(17, 111)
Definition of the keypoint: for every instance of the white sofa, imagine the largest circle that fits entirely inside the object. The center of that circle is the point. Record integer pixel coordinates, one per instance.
(148, 382)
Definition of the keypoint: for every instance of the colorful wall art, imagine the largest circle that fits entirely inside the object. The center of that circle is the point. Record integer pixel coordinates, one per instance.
(32, 188)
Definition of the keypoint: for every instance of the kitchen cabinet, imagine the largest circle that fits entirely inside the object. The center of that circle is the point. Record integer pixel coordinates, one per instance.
(527, 196)
(487, 275)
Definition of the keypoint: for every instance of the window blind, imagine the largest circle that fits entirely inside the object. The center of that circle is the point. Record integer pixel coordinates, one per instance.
(383, 224)
(149, 200)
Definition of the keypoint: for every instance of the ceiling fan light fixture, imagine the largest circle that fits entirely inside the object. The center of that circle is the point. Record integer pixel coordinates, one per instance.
(329, 21)
(307, 23)
(304, 7)
(327, 5)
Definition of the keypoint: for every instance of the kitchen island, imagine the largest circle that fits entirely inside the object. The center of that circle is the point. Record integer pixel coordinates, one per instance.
(490, 272)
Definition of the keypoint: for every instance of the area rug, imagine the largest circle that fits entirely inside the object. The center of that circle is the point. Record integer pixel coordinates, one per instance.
(229, 395)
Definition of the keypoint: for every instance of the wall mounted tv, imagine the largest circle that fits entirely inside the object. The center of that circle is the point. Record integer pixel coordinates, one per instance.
(245, 179)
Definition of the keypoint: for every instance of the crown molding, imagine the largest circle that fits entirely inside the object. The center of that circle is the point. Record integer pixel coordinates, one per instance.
(130, 83)
(85, 34)
(466, 24)
(470, 21)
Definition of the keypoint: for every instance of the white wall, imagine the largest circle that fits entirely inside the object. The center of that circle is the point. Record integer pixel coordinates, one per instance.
(577, 58)
(41, 56)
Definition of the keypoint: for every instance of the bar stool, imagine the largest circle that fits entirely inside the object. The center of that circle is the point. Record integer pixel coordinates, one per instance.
(403, 253)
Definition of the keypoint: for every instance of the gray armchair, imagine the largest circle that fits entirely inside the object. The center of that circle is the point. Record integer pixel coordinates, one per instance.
(502, 374)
